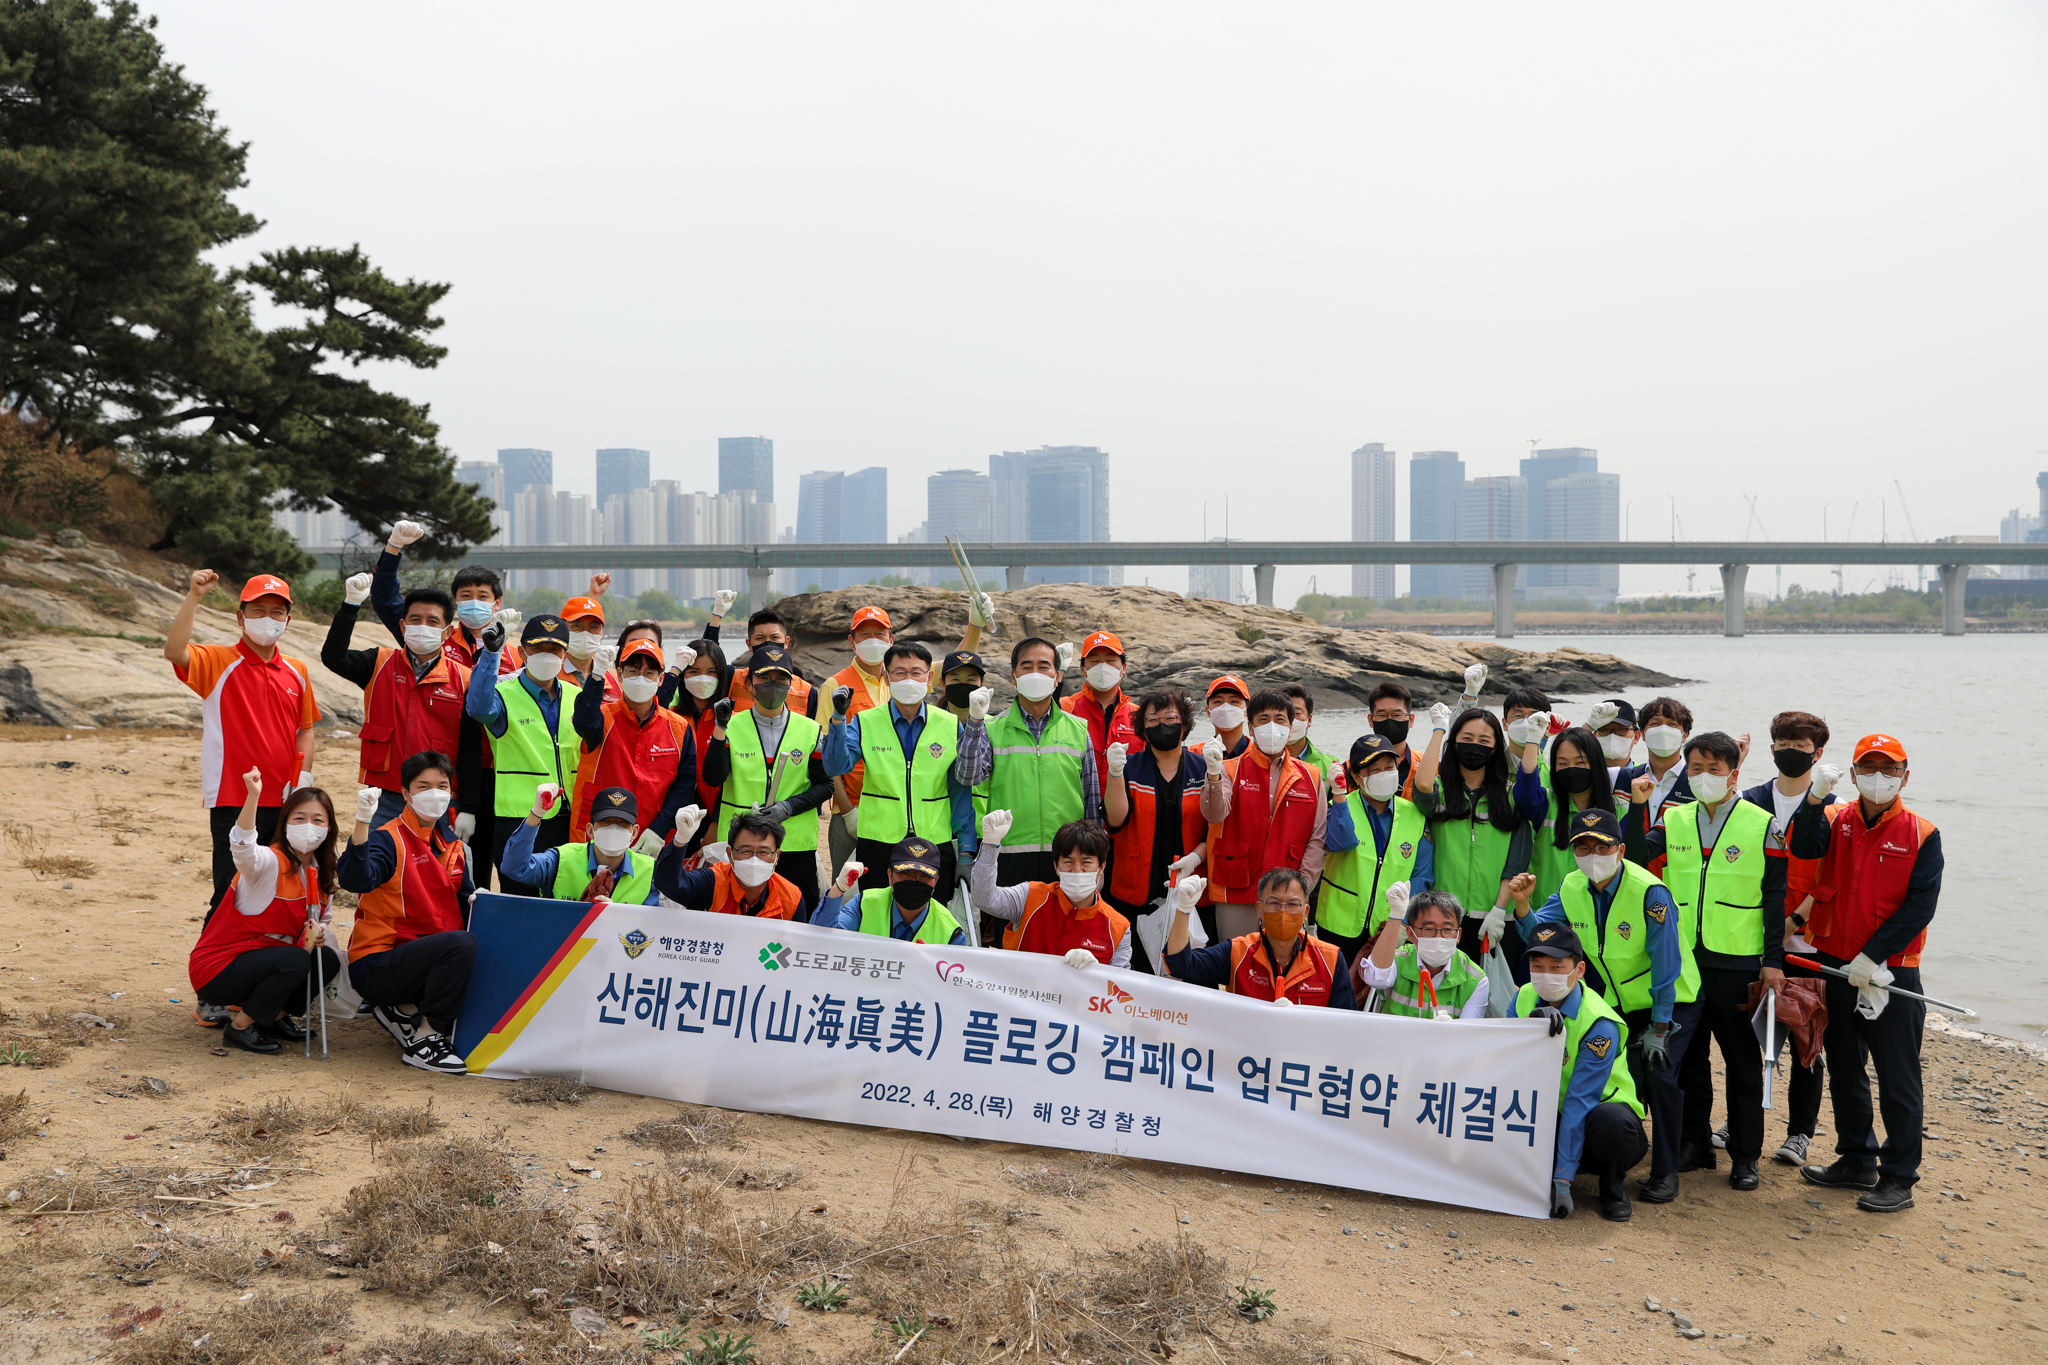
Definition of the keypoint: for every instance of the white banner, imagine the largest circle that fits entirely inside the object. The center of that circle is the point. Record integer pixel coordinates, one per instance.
(1019, 1047)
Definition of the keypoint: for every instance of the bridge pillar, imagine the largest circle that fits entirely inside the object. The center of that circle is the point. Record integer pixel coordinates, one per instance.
(1504, 601)
(1734, 584)
(757, 587)
(1015, 579)
(1262, 583)
(1954, 577)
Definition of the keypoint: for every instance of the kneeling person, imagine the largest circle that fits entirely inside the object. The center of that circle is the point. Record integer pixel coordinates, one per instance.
(1069, 917)
(744, 881)
(1277, 961)
(606, 868)
(902, 910)
(1427, 977)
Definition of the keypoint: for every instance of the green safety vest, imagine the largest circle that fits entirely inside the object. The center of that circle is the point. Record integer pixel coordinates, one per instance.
(1317, 759)
(1036, 780)
(572, 875)
(1350, 900)
(747, 786)
(1454, 986)
(895, 780)
(1720, 894)
(526, 755)
(1471, 857)
(1623, 955)
(1621, 1084)
(878, 913)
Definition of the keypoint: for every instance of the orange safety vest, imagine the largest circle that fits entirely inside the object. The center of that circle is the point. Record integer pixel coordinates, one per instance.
(1131, 869)
(1309, 978)
(1117, 726)
(1271, 821)
(641, 758)
(463, 648)
(782, 902)
(1063, 927)
(1863, 878)
(850, 676)
(421, 898)
(230, 933)
(404, 715)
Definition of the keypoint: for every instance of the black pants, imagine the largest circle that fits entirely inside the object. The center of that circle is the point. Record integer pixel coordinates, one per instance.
(486, 836)
(222, 819)
(1614, 1144)
(267, 982)
(1659, 1090)
(873, 855)
(553, 833)
(799, 867)
(430, 972)
(1724, 1016)
(1890, 1042)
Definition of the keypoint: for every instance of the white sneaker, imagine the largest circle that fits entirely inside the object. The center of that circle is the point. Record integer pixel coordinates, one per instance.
(1721, 1138)
(397, 1023)
(432, 1053)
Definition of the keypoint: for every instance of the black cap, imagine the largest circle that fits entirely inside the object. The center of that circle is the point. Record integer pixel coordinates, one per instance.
(770, 656)
(1625, 714)
(1554, 940)
(614, 803)
(915, 855)
(963, 658)
(1593, 820)
(545, 630)
(1367, 747)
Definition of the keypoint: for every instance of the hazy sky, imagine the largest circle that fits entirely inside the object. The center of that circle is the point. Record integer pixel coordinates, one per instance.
(1787, 251)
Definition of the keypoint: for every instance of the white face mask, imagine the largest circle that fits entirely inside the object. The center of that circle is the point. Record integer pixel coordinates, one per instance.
(1552, 986)
(1270, 737)
(1877, 788)
(1079, 886)
(423, 639)
(1520, 731)
(1664, 740)
(1226, 717)
(870, 651)
(430, 805)
(543, 668)
(1036, 687)
(1616, 747)
(611, 838)
(1102, 677)
(909, 691)
(753, 871)
(1382, 786)
(639, 689)
(701, 685)
(305, 838)
(1708, 787)
(1435, 952)
(264, 630)
(584, 643)
(1598, 866)
(1297, 731)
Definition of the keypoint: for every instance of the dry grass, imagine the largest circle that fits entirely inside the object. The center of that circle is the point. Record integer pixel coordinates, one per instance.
(38, 1042)
(16, 1122)
(1068, 1181)
(270, 1329)
(273, 1126)
(693, 1126)
(550, 1090)
(1275, 1346)
(164, 1189)
(32, 847)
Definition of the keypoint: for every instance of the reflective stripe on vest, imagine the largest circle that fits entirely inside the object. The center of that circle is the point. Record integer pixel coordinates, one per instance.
(1621, 1083)
(1721, 892)
(878, 917)
(526, 755)
(1349, 900)
(573, 874)
(896, 780)
(1454, 986)
(1036, 780)
(747, 786)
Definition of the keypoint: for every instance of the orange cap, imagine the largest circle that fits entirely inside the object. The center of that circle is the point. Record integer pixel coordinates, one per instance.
(1879, 744)
(870, 614)
(266, 585)
(582, 606)
(643, 645)
(1102, 639)
(1228, 680)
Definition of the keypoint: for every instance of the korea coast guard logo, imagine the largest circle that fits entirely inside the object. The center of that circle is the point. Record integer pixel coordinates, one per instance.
(1625, 929)
(1732, 853)
(634, 943)
(1407, 850)
(1545, 934)
(1598, 1045)
(615, 799)
(774, 957)
(935, 748)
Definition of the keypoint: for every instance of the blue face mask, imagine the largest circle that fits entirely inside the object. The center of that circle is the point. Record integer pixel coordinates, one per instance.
(475, 615)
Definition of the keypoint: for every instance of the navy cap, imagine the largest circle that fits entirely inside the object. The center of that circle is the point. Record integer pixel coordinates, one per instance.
(963, 658)
(1625, 714)
(1367, 747)
(614, 803)
(915, 855)
(1593, 820)
(545, 630)
(771, 657)
(1554, 940)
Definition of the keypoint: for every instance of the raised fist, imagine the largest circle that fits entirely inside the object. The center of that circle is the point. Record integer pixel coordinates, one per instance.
(842, 698)
(1475, 678)
(405, 533)
(721, 602)
(252, 781)
(1439, 717)
(1602, 715)
(1521, 886)
(492, 636)
(849, 876)
(366, 803)
(1397, 902)
(1065, 654)
(202, 582)
(1187, 893)
(721, 712)
(356, 589)
(599, 584)
(1639, 790)
(544, 797)
(687, 820)
(978, 701)
(602, 658)
(684, 657)
(1118, 755)
(996, 824)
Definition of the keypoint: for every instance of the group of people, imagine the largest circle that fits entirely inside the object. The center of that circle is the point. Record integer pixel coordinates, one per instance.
(1455, 864)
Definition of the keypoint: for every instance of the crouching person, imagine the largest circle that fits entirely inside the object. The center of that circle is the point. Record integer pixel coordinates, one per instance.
(904, 909)
(609, 867)
(1068, 918)
(411, 952)
(1599, 1118)
(1278, 961)
(1426, 977)
(738, 877)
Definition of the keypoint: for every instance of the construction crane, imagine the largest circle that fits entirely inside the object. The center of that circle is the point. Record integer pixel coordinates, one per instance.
(1919, 570)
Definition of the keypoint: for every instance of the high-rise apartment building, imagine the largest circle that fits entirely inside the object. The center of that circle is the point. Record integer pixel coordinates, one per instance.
(1224, 582)
(1057, 493)
(1436, 481)
(620, 472)
(525, 468)
(1581, 507)
(1009, 481)
(1372, 517)
(1495, 508)
(958, 502)
(747, 463)
(819, 503)
(487, 477)
(1548, 516)
(864, 508)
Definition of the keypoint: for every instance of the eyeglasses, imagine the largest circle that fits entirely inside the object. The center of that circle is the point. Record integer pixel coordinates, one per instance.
(1285, 907)
(1888, 769)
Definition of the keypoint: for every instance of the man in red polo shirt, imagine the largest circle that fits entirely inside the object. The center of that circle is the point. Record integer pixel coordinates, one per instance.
(1101, 701)
(259, 710)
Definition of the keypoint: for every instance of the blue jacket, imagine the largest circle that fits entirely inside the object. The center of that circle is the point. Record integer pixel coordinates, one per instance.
(1589, 1082)
(1666, 952)
(1339, 836)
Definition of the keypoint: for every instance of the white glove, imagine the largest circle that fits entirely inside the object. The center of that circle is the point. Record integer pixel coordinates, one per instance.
(722, 601)
(1186, 863)
(687, 820)
(1283, 1000)
(366, 803)
(852, 822)
(1081, 959)
(1521, 731)
(995, 825)
(1825, 779)
(1118, 755)
(1212, 754)
(602, 658)
(1603, 715)
(544, 798)
(977, 703)
(356, 589)
(1187, 893)
(510, 620)
(1475, 678)
(719, 852)
(981, 609)
(1397, 902)
(465, 827)
(1065, 654)
(1494, 925)
(849, 876)
(684, 657)
(1439, 717)
(649, 844)
(1444, 1014)
(305, 780)
(1862, 971)
(405, 533)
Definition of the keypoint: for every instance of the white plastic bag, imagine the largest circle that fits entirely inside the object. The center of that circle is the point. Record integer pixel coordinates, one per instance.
(1155, 924)
(1500, 983)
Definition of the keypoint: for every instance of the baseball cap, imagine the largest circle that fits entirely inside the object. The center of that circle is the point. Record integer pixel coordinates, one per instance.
(1555, 940)
(614, 803)
(1368, 747)
(867, 615)
(1625, 714)
(643, 647)
(914, 855)
(1102, 639)
(963, 658)
(769, 656)
(266, 585)
(582, 606)
(1879, 744)
(545, 630)
(1600, 822)
(1230, 680)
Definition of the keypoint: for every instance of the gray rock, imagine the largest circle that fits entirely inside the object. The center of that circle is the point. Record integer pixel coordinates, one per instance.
(1691, 1333)
(1680, 1320)
(588, 1321)
(72, 539)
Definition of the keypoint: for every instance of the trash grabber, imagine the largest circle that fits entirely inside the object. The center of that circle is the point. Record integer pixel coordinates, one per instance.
(965, 565)
(1770, 1013)
(1963, 1010)
(320, 979)
(311, 927)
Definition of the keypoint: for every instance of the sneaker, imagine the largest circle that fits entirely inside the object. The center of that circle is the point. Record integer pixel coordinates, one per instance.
(211, 1016)
(1720, 1138)
(432, 1053)
(1889, 1196)
(397, 1023)
(1793, 1153)
(1843, 1175)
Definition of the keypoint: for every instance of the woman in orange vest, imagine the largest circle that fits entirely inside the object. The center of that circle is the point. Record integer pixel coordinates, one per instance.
(411, 951)
(1278, 961)
(634, 742)
(1069, 918)
(743, 881)
(707, 685)
(255, 962)
(1273, 815)
(1158, 802)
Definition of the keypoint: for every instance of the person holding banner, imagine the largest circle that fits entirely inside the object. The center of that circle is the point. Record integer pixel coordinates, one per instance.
(904, 910)
(1278, 961)
(1351, 903)
(1426, 977)
(633, 743)
(740, 877)
(1599, 1118)
(773, 767)
(609, 867)
(1041, 767)
(529, 718)
(1068, 918)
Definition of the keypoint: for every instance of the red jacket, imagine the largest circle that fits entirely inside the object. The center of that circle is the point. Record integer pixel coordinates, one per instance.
(1118, 726)
(1272, 818)
(642, 758)
(1051, 924)
(1864, 877)
(1309, 978)
(404, 715)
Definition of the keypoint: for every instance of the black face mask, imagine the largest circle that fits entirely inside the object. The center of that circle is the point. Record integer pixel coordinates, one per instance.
(1572, 781)
(1164, 736)
(1473, 755)
(911, 895)
(1393, 731)
(958, 693)
(1792, 762)
(772, 696)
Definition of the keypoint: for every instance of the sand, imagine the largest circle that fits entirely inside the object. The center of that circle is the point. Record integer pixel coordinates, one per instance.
(1787, 1273)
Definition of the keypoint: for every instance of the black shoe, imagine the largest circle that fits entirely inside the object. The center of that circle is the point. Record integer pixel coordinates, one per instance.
(284, 1030)
(249, 1040)
(1692, 1157)
(1890, 1196)
(1744, 1176)
(397, 1023)
(1615, 1207)
(1843, 1175)
(1658, 1189)
(432, 1053)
